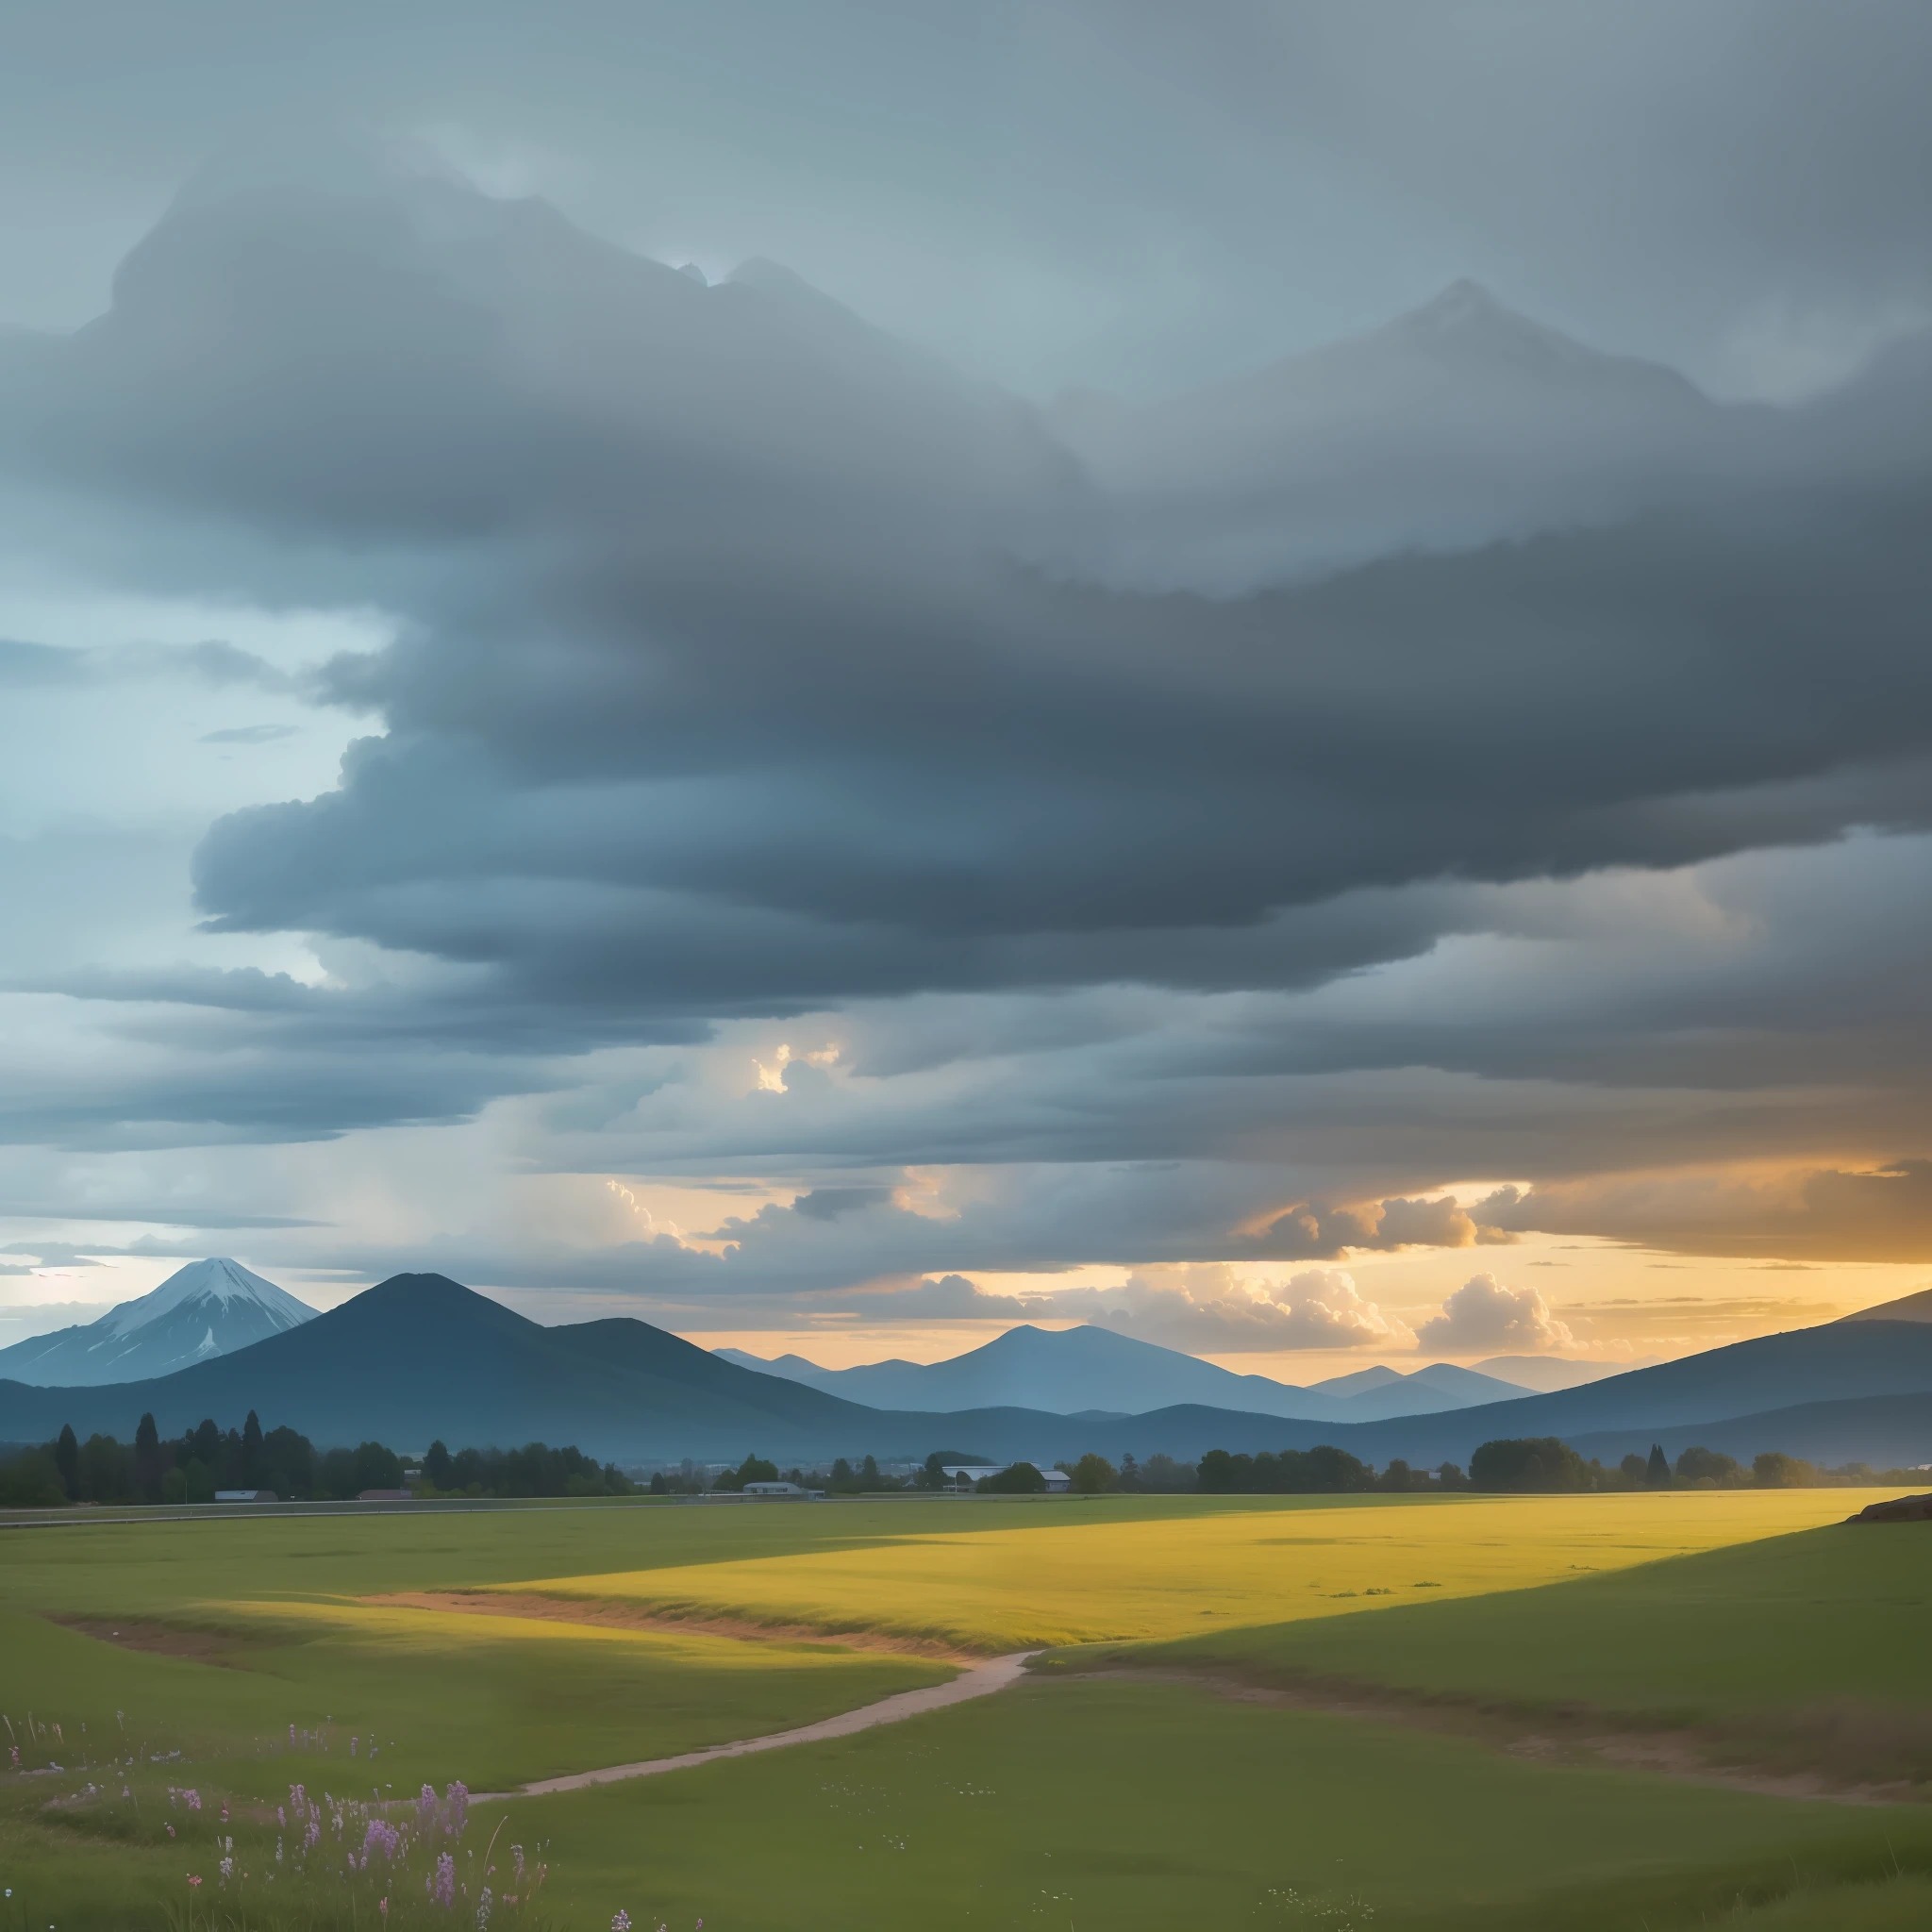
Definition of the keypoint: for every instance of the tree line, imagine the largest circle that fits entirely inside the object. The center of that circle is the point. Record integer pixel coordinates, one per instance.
(153, 1468)
(1548, 1463)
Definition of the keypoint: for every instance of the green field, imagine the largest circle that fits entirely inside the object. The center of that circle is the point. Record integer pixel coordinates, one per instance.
(1146, 1775)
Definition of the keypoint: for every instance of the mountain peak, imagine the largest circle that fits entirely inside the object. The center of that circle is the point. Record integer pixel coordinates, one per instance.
(1460, 304)
(207, 1309)
(218, 1280)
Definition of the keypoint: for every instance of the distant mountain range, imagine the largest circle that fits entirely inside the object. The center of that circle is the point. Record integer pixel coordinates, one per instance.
(1092, 1369)
(420, 1356)
(208, 1309)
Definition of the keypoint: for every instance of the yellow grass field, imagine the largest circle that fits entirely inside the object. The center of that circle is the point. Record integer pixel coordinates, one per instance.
(1080, 1576)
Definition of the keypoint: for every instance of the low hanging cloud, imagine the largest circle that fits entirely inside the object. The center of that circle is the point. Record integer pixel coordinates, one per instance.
(1313, 1232)
(1827, 1214)
(1484, 1315)
(1210, 1309)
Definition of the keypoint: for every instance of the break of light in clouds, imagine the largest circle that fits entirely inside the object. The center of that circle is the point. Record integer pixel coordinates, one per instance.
(842, 674)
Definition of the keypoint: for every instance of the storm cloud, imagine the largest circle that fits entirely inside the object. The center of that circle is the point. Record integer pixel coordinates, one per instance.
(1195, 798)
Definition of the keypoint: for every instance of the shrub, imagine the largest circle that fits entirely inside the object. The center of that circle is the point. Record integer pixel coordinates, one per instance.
(1707, 1469)
(1022, 1479)
(1773, 1471)
(1526, 1463)
(754, 1469)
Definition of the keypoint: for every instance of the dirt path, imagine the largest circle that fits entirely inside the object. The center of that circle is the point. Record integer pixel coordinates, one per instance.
(611, 1613)
(980, 1681)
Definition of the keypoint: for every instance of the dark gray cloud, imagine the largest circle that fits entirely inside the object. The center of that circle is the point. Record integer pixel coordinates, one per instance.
(1229, 804)
(783, 668)
(1090, 192)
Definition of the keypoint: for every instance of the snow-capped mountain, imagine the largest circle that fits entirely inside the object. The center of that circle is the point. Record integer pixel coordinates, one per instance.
(207, 1309)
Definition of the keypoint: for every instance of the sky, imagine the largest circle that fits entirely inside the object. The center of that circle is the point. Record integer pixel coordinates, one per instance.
(840, 675)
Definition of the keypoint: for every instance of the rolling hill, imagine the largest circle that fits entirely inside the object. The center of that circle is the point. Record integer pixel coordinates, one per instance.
(1069, 1370)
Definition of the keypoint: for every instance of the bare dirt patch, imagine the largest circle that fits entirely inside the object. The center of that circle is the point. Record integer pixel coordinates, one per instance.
(607, 1613)
(1790, 1762)
(161, 1640)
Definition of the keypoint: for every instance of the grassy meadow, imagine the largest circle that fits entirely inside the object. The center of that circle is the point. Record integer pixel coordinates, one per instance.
(1161, 1764)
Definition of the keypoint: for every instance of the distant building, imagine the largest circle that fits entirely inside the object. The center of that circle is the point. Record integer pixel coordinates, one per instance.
(964, 1476)
(386, 1496)
(246, 1496)
(784, 1492)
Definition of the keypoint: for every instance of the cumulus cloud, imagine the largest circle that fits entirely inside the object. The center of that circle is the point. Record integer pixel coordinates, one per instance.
(1485, 1316)
(1312, 1232)
(1209, 1309)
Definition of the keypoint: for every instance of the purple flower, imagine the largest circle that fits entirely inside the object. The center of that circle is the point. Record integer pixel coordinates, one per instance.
(442, 1886)
(458, 1796)
(380, 1837)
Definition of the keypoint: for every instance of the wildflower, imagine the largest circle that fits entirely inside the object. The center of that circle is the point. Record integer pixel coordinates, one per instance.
(227, 1869)
(194, 1878)
(442, 1886)
(194, 1800)
(281, 1818)
(459, 1797)
(225, 1814)
(622, 1922)
(516, 1852)
(278, 1851)
(355, 1744)
(170, 1831)
(382, 1906)
(483, 1912)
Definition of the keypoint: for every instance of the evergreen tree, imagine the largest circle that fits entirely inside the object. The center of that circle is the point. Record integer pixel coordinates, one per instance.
(147, 1460)
(436, 1465)
(1657, 1473)
(251, 1452)
(67, 1460)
